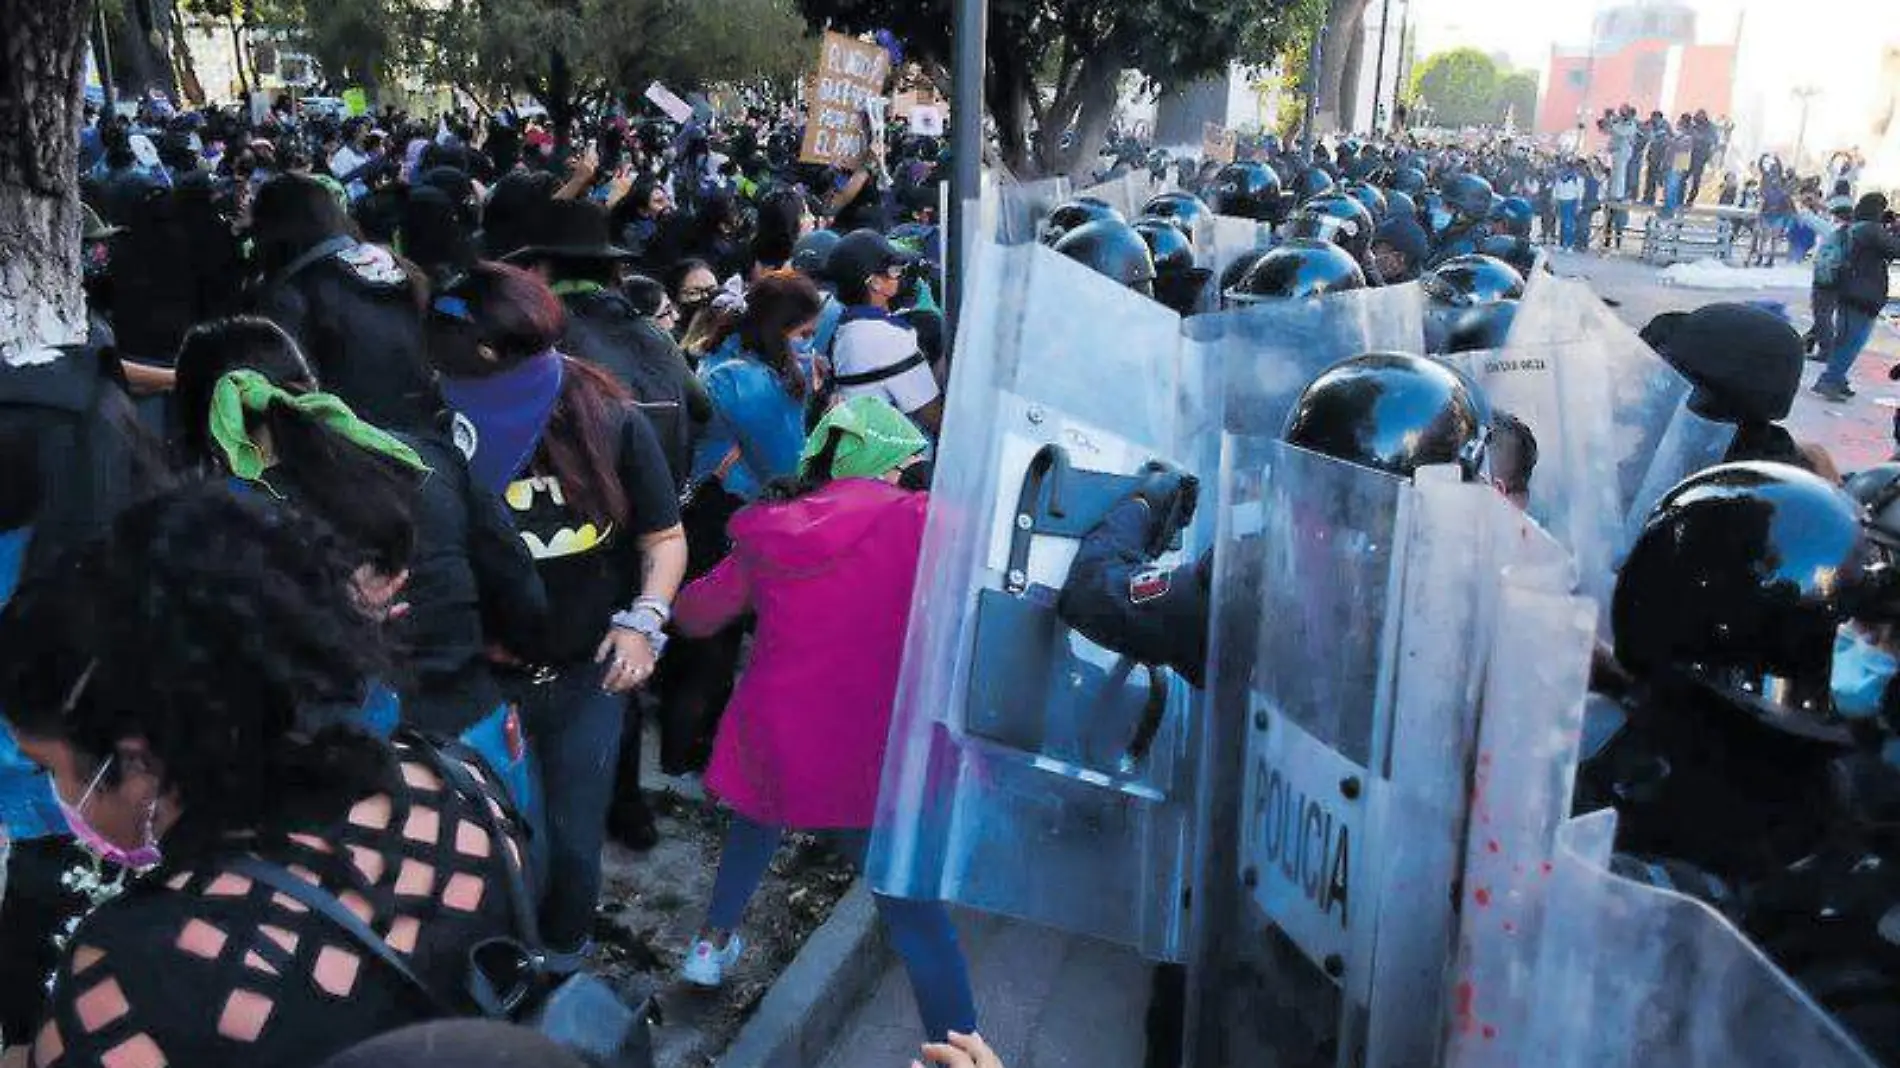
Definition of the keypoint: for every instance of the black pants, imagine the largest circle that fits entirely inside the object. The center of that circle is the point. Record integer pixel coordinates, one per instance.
(1658, 170)
(36, 907)
(695, 677)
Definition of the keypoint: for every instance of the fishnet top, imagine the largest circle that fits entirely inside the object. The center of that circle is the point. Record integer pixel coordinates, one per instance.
(198, 967)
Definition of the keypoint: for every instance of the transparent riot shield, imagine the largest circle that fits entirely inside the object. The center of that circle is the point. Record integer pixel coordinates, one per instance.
(1350, 624)
(1022, 206)
(1267, 353)
(1633, 975)
(1125, 194)
(1229, 239)
(1598, 402)
(1690, 444)
(1013, 781)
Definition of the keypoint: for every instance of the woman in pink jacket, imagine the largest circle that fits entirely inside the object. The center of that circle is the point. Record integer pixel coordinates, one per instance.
(828, 563)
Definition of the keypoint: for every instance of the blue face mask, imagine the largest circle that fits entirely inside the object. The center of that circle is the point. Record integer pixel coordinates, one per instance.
(1860, 676)
(804, 348)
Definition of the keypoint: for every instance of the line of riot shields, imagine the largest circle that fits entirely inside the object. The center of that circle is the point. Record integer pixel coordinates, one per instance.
(1358, 835)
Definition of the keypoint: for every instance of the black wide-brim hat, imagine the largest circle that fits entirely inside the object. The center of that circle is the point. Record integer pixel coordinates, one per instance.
(568, 230)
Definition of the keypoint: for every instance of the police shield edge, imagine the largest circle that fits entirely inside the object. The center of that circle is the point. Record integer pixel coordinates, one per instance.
(1009, 783)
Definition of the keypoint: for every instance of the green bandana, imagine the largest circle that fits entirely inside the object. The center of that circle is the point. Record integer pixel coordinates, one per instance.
(576, 288)
(874, 438)
(242, 391)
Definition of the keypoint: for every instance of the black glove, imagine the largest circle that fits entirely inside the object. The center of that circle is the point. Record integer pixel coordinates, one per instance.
(1171, 495)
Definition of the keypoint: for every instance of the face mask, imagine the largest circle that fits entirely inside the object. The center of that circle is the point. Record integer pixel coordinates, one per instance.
(1860, 674)
(804, 348)
(139, 859)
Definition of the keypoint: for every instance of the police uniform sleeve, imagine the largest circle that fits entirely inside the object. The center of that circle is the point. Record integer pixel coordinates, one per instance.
(1118, 597)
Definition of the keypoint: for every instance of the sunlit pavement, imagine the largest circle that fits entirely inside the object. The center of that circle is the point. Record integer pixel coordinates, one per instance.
(1857, 433)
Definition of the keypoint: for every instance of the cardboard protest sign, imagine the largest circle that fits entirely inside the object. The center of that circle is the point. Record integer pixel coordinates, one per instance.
(663, 98)
(849, 73)
(1217, 143)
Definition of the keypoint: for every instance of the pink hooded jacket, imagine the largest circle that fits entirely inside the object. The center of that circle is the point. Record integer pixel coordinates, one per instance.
(830, 576)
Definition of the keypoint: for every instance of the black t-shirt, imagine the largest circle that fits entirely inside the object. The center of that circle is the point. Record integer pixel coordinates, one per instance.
(591, 568)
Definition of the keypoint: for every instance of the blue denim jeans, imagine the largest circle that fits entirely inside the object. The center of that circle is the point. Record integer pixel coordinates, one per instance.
(574, 732)
(1853, 329)
(921, 931)
(1567, 223)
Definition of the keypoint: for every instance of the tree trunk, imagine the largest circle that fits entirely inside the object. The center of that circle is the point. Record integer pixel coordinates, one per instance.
(184, 68)
(1346, 103)
(139, 36)
(237, 58)
(1096, 97)
(1343, 19)
(42, 69)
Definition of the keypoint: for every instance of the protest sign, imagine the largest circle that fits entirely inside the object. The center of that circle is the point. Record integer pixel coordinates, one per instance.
(849, 73)
(1217, 143)
(663, 98)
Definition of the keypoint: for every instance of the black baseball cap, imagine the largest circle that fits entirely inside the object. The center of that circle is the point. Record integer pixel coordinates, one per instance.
(863, 253)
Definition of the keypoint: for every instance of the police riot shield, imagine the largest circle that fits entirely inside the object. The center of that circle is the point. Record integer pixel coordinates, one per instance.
(1029, 772)
(1633, 975)
(1690, 444)
(1022, 206)
(1351, 624)
(1229, 239)
(1266, 353)
(1597, 400)
(1125, 194)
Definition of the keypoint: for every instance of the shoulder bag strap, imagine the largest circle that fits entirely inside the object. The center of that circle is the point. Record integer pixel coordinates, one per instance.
(325, 904)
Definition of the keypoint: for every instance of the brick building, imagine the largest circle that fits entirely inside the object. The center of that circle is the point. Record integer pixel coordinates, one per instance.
(1643, 53)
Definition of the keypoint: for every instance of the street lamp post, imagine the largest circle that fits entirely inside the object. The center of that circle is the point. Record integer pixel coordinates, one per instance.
(966, 141)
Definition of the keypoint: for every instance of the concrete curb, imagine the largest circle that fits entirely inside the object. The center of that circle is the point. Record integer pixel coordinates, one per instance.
(805, 1009)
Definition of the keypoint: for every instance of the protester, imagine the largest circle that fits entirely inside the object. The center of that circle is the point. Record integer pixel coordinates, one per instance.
(1873, 242)
(590, 491)
(873, 353)
(158, 679)
(832, 553)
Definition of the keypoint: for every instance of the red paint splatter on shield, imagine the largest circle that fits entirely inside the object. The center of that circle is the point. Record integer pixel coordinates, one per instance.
(1482, 896)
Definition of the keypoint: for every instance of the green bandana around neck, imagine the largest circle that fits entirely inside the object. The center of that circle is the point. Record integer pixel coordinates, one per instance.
(245, 391)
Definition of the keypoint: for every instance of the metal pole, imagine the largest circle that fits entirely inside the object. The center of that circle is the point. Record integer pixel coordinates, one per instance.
(1378, 73)
(1313, 65)
(104, 55)
(966, 143)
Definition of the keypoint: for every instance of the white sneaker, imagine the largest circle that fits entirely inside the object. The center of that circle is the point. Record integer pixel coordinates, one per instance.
(706, 965)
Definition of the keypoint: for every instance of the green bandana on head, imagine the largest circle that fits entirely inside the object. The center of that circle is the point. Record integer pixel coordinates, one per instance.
(874, 438)
(245, 391)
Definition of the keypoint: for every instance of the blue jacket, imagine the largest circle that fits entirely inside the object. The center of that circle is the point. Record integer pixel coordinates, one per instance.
(751, 410)
(27, 808)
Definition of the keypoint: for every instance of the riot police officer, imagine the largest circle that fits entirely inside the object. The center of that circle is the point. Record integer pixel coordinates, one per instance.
(1178, 283)
(1345, 222)
(1250, 190)
(1726, 613)
(1072, 214)
(1183, 208)
(1472, 304)
(1469, 199)
(1111, 248)
(1743, 364)
(1300, 268)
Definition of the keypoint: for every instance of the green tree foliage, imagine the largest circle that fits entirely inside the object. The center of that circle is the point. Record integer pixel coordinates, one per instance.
(1054, 65)
(1517, 97)
(1465, 87)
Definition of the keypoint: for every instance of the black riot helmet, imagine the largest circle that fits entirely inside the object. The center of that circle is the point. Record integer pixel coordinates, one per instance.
(1477, 328)
(1079, 211)
(1877, 490)
(1184, 208)
(1178, 282)
(1392, 412)
(1738, 582)
(1338, 218)
(1297, 269)
(1167, 244)
(1111, 247)
(1397, 204)
(1743, 362)
(1513, 216)
(1469, 197)
(1313, 182)
(1231, 275)
(1516, 251)
(1471, 281)
(1408, 180)
(1369, 196)
(1249, 189)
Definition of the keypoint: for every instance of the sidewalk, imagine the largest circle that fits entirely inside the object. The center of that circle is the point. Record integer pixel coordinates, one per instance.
(1044, 1000)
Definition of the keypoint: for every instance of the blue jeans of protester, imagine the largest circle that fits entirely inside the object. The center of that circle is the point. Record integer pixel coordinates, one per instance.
(573, 730)
(920, 930)
(1672, 192)
(1853, 329)
(1567, 223)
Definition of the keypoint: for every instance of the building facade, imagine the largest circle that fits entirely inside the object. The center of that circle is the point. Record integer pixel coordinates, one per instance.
(1644, 54)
